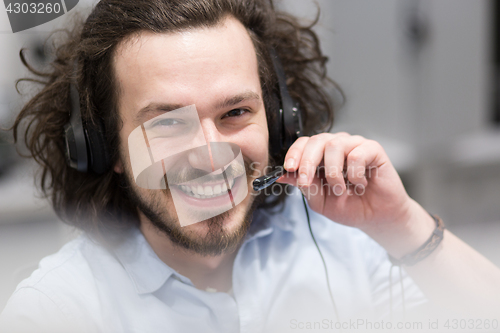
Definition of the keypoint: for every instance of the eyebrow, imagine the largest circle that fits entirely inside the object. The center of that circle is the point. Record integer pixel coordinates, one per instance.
(230, 101)
(225, 103)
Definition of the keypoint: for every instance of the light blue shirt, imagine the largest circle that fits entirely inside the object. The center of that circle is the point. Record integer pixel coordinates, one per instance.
(279, 284)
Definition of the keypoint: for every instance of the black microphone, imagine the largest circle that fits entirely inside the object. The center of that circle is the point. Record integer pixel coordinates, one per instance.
(269, 179)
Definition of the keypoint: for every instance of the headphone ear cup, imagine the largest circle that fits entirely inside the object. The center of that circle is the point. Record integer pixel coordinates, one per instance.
(288, 120)
(71, 147)
(100, 159)
(275, 125)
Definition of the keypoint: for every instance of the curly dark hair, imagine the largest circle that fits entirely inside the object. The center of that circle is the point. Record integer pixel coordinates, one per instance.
(94, 202)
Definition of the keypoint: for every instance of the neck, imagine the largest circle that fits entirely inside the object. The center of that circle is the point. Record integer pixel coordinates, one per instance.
(213, 272)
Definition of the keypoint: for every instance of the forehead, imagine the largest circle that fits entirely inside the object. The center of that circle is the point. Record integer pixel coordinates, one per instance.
(186, 67)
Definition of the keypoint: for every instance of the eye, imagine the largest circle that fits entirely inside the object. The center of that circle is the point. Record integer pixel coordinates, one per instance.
(168, 127)
(168, 122)
(235, 113)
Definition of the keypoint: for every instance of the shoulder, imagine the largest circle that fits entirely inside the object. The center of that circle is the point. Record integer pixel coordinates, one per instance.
(66, 269)
(56, 293)
(33, 310)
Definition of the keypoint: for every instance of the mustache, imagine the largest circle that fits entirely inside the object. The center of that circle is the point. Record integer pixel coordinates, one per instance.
(187, 174)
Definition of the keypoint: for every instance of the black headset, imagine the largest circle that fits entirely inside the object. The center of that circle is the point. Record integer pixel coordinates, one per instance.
(87, 149)
(86, 145)
(289, 116)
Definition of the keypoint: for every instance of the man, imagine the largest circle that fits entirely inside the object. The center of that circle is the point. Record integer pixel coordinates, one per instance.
(252, 268)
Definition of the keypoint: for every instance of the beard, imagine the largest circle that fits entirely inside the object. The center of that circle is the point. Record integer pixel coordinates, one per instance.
(157, 207)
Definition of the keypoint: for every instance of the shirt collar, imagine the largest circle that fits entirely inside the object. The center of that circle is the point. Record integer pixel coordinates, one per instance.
(146, 270)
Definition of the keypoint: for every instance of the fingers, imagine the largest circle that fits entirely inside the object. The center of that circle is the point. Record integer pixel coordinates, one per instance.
(294, 154)
(306, 154)
(336, 152)
(341, 155)
(311, 157)
(362, 159)
(334, 164)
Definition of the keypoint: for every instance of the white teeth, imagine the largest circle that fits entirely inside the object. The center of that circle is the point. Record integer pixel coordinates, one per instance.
(205, 192)
(209, 190)
(217, 189)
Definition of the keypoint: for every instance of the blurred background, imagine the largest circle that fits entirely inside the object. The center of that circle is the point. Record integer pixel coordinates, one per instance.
(420, 76)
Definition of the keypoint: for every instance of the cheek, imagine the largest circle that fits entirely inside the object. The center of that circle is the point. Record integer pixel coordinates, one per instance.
(123, 163)
(254, 147)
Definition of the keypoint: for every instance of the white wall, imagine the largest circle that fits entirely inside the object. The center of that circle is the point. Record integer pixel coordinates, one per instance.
(370, 58)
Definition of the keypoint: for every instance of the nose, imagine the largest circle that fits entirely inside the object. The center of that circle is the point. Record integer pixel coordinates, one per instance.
(199, 158)
(202, 157)
(210, 131)
(216, 154)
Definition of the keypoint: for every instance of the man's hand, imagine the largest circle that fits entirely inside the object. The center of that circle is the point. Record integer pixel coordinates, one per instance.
(373, 199)
(350, 180)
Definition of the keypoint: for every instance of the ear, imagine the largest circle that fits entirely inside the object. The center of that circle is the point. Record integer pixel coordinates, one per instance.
(118, 168)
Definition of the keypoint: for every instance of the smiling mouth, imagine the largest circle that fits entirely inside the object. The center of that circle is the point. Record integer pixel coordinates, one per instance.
(206, 191)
